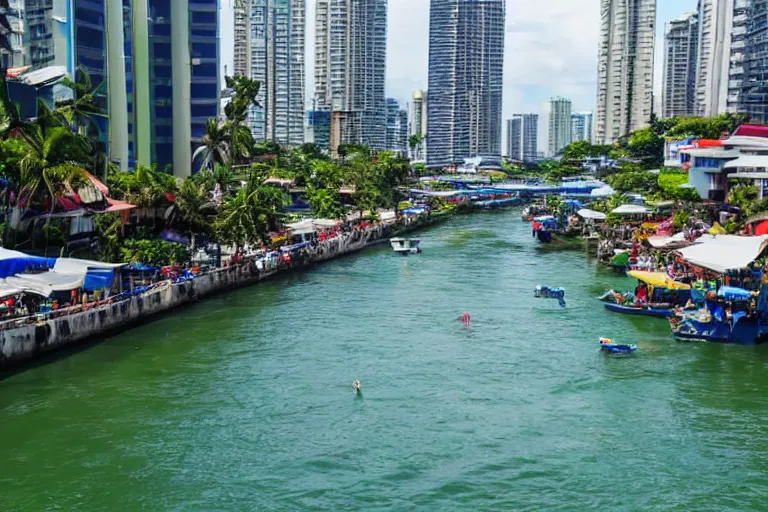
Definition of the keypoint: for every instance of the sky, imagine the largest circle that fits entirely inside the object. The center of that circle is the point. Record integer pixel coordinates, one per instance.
(550, 50)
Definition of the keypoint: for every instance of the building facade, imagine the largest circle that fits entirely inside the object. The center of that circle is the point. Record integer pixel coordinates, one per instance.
(681, 50)
(319, 128)
(736, 66)
(715, 20)
(753, 98)
(242, 38)
(625, 68)
(466, 60)
(523, 137)
(581, 126)
(397, 127)
(417, 124)
(559, 125)
(277, 61)
(350, 68)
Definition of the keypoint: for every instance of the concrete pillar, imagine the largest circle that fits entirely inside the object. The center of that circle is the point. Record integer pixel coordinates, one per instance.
(142, 131)
(181, 74)
(118, 102)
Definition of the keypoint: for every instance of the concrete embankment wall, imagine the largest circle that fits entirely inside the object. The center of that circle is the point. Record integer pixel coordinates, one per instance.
(31, 340)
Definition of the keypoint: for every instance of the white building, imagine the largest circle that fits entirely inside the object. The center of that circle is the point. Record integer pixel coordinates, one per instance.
(417, 123)
(681, 50)
(523, 137)
(581, 126)
(712, 74)
(350, 68)
(276, 49)
(625, 67)
(559, 125)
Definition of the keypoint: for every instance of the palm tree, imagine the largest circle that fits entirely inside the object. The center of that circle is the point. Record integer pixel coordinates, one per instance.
(84, 107)
(414, 141)
(195, 207)
(216, 145)
(49, 149)
(251, 212)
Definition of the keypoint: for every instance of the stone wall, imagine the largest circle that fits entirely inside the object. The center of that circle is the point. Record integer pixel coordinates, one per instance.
(31, 340)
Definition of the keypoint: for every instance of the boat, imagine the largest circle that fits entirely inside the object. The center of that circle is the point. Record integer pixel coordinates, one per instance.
(534, 210)
(608, 345)
(646, 310)
(663, 295)
(546, 292)
(405, 246)
(730, 316)
(544, 227)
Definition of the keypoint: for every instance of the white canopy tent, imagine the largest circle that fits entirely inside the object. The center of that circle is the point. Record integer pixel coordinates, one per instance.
(47, 282)
(724, 252)
(662, 241)
(586, 213)
(630, 209)
(605, 191)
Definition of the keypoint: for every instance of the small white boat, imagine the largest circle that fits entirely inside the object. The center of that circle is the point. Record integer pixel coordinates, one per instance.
(405, 246)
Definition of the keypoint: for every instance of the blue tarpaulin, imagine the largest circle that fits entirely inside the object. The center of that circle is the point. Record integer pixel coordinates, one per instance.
(15, 262)
(98, 279)
(733, 293)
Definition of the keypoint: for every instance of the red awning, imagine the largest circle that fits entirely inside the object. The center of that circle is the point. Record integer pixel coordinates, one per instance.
(752, 130)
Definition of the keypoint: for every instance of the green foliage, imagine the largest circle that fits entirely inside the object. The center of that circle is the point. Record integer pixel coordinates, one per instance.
(154, 252)
(703, 127)
(669, 183)
(325, 203)
(110, 237)
(633, 181)
(680, 219)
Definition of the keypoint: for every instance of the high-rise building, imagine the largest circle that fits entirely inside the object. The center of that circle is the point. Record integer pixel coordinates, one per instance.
(523, 137)
(242, 38)
(681, 51)
(714, 53)
(350, 64)
(319, 126)
(753, 98)
(581, 126)
(277, 61)
(417, 124)
(736, 67)
(172, 78)
(397, 127)
(466, 60)
(559, 125)
(624, 68)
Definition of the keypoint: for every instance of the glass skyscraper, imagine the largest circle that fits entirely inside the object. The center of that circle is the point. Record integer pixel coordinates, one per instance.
(466, 60)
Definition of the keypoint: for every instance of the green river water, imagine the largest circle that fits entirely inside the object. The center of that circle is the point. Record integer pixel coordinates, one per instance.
(244, 401)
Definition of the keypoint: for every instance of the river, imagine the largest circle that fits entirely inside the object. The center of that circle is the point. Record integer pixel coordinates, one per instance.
(244, 401)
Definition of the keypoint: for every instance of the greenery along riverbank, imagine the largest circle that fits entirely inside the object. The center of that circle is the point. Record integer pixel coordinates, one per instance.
(48, 167)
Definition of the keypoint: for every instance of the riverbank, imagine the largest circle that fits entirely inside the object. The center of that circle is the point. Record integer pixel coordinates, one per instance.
(32, 337)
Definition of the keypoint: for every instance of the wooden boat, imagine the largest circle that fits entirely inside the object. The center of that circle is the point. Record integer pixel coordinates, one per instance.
(608, 345)
(654, 311)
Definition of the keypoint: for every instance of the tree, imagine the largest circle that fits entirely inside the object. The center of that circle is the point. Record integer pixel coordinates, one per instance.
(414, 142)
(84, 107)
(325, 203)
(215, 148)
(194, 205)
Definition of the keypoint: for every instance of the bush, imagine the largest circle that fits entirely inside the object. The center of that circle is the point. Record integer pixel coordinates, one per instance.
(154, 252)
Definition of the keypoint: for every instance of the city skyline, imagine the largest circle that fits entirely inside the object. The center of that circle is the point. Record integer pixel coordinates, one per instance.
(556, 47)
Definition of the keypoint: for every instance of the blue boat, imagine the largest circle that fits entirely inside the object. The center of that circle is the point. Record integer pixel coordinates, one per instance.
(543, 227)
(726, 320)
(656, 312)
(608, 345)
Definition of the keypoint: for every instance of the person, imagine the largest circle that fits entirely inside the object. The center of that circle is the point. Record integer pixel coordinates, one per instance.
(641, 294)
(465, 319)
(357, 386)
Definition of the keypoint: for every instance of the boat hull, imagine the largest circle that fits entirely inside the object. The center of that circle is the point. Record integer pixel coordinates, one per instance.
(743, 333)
(619, 349)
(630, 310)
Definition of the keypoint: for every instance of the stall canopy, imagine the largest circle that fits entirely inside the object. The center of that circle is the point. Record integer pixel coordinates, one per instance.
(15, 262)
(586, 213)
(630, 209)
(658, 279)
(47, 282)
(663, 241)
(724, 252)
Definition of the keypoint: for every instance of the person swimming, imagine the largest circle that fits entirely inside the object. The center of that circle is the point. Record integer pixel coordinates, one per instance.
(465, 319)
(357, 386)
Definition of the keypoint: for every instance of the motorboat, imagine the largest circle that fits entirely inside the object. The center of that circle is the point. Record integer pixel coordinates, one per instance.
(608, 345)
(405, 246)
